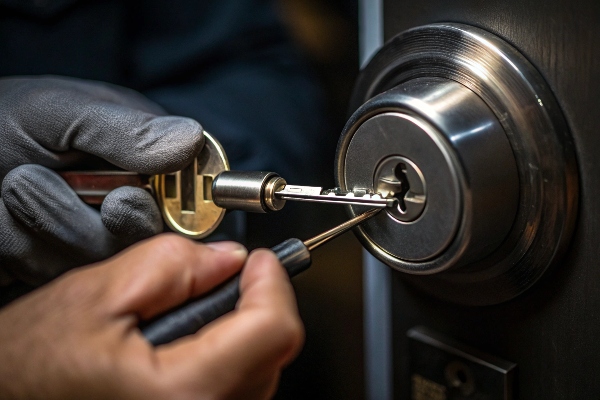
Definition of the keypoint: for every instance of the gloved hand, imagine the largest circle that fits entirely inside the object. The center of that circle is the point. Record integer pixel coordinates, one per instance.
(52, 122)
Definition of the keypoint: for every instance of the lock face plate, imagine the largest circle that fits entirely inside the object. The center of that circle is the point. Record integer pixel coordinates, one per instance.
(469, 270)
(184, 197)
(413, 139)
(459, 150)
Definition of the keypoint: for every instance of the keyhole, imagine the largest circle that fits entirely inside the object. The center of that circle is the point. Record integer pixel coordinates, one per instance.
(391, 179)
(400, 172)
(460, 378)
(461, 375)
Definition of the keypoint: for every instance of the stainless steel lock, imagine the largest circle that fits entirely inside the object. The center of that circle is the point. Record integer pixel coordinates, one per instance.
(459, 151)
(465, 132)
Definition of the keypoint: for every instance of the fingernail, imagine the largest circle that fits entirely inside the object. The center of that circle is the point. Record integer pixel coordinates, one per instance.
(228, 247)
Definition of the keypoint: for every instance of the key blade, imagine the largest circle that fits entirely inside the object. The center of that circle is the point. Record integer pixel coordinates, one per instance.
(317, 195)
(94, 186)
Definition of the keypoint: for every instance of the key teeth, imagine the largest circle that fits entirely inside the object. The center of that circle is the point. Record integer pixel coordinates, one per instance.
(360, 192)
(357, 196)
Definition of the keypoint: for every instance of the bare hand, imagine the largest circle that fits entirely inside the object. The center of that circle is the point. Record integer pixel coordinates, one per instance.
(77, 337)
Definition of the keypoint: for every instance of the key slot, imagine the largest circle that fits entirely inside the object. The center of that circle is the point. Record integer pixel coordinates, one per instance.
(207, 182)
(400, 179)
(171, 186)
(400, 172)
(188, 188)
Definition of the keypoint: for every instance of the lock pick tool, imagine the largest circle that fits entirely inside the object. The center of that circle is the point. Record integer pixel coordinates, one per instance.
(294, 255)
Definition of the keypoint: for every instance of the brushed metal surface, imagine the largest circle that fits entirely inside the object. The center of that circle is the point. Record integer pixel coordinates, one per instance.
(467, 164)
(245, 190)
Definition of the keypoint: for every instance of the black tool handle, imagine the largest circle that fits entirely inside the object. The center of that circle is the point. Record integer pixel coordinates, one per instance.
(189, 318)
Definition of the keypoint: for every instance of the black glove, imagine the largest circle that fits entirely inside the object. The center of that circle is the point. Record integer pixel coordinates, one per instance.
(53, 122)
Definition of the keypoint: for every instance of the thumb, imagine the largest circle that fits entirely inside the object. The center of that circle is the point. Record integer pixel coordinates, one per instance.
(160, 273)
(261, 336)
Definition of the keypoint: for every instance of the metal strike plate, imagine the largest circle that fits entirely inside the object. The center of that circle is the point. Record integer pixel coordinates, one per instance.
(441, 369)
(185, 198)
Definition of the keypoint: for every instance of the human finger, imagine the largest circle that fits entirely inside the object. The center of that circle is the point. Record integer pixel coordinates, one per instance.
(244, 351)
(162, 272)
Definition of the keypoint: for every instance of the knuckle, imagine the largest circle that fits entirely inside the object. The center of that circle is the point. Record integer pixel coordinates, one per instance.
(286, 328)
(26, 177)
(16, 178)
(172, 247)
(295, 333)
(263, 263)
(75, 287)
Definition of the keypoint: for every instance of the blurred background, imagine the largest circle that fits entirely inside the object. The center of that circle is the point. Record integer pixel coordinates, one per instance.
(122, 43)
(330, 293)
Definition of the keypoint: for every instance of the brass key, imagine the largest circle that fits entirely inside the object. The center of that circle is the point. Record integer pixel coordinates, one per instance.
(184, 197)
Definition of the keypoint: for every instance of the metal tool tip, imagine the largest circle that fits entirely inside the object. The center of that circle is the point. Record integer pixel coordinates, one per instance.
(324, 237)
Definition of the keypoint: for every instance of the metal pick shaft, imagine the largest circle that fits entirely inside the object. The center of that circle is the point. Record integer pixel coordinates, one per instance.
(324, 237)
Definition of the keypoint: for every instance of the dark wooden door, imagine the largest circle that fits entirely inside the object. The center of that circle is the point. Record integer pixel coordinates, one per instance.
(553, 330)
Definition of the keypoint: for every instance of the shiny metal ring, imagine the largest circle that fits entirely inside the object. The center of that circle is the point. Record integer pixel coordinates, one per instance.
(538, 134)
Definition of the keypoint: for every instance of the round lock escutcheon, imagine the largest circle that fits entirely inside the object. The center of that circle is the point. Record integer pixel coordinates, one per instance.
(464, 132)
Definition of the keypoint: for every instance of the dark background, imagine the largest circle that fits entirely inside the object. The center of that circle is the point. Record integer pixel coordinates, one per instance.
(330, 293)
